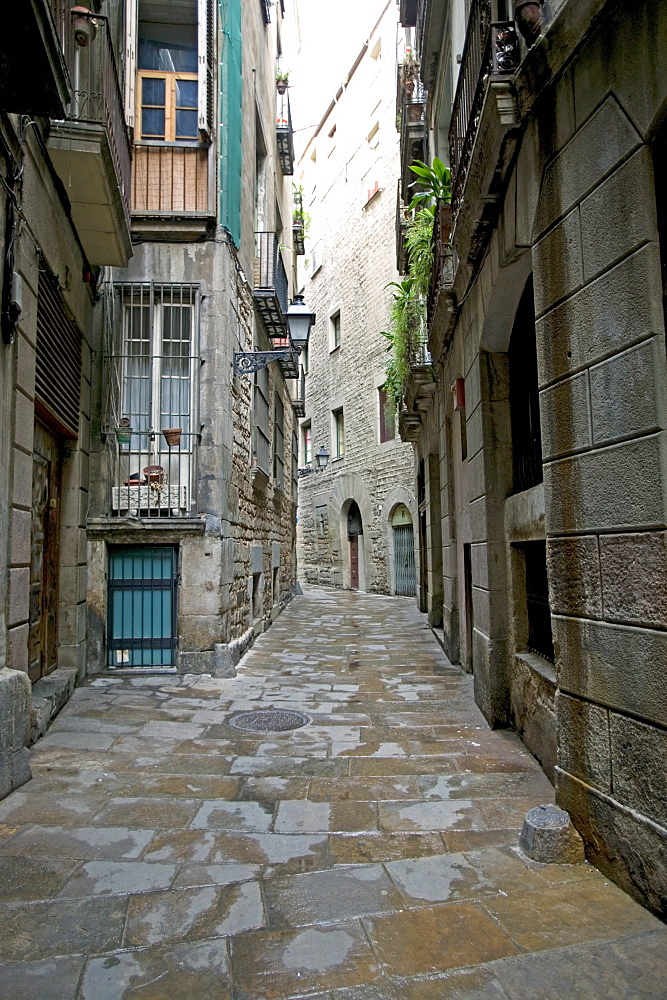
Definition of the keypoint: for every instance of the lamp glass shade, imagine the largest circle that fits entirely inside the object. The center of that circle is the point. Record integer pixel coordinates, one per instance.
(300, 320)
(322, 457)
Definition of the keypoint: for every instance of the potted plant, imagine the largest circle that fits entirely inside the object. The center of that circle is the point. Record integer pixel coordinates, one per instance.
(154, 474)
(282, 80)
(172, 436)
(124, 431)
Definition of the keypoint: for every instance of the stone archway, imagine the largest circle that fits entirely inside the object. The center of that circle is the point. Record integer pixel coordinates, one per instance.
(397, 497)
(349, 489)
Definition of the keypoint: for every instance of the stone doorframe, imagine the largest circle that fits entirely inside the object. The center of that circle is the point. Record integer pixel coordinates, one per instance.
(351, 487)
(396, 496)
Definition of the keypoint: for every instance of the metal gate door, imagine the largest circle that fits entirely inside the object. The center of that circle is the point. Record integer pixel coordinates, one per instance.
(404, 560)
(142, 606)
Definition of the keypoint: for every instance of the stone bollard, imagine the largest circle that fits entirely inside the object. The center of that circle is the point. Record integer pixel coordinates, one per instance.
(549, 836)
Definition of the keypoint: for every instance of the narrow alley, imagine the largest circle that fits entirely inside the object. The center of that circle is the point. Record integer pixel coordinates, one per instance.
(371, 854)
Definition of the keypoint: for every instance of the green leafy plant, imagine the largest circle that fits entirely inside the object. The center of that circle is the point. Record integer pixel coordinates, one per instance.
(282, 76)
(419, 247)
(436, 181)
(406, 319)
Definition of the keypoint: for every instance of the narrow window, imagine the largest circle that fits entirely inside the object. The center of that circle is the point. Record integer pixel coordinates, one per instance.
(279, 444)
(306, 444)
(334, 331)
(387, 417)
(339, 433)
(261, 440)
(525, 397)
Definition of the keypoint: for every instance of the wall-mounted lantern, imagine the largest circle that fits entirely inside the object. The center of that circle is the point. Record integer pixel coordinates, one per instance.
(322, 457)
(300, 321)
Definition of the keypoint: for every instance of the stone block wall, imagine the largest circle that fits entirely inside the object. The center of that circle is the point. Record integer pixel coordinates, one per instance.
(602, 369)
(355, 242)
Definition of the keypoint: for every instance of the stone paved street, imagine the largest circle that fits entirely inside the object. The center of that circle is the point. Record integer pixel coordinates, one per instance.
(371, 855)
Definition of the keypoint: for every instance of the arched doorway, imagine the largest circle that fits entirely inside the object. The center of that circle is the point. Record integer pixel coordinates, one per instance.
(404, 551)
(354, 531)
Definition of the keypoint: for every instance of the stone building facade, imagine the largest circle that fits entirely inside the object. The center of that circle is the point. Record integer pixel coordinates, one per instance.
(64, 213)
(204, 527)
(356, 516)
(544, 469)
(133, 283)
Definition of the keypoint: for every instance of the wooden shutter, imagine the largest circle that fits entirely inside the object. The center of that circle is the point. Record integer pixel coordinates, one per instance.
(58, 363)
(131, 35)
(206, 39)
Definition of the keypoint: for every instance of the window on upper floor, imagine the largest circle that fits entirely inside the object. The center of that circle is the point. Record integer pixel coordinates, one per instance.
(525, 397)
(279, 443)
(334, 331)
(170, 62)
(306, 444)
(338, 435)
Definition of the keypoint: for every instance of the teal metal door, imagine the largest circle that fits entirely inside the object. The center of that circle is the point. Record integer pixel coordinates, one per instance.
(404, 560)
(142, 606)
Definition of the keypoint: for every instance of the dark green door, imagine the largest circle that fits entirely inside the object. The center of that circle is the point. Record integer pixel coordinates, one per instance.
(142, 606)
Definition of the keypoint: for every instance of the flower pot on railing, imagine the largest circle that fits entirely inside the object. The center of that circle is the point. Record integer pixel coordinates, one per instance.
(123, 431)
(281, 86)
(154, 474)
(172, 436)
(445, 212)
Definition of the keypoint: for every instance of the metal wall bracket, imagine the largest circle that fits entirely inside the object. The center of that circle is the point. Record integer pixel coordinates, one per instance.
(247, 362)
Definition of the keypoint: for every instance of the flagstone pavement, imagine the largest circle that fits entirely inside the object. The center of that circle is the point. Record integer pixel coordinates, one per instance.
(159, 854)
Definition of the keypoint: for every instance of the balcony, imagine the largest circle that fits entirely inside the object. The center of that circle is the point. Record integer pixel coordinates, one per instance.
(298, 224)
(442, 274)
(419, 390)
(33, 76)
(171, 189)
(270, 286)
(90, 146)
(299, 401)
(413, 134)
(430, 24)
(484, 105)
(285, 135)
(152, 478)
(402, 219)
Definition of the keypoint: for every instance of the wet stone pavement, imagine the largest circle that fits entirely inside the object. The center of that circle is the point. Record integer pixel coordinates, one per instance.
(160, 854)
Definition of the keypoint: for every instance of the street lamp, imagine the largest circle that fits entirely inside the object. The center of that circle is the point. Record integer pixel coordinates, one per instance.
(322, 457)
(299, 320)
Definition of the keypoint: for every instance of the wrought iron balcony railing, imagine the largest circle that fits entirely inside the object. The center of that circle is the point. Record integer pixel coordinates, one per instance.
(402, 217)
(270, 285)
(413, 135)
(491, 52)
(96, 93)
(299, 401)
(298, 224)
(285, 135)
(442, 274)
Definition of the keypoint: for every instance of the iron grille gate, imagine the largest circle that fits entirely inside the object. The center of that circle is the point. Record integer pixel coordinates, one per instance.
(142, 613)
(404, 559)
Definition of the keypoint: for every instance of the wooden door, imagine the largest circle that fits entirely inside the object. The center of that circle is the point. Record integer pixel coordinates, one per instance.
(44, 554)
(354, 562)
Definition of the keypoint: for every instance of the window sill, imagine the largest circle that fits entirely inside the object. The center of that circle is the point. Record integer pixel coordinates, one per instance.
(260, 480)
(337, 458)
(539, 665)
(112, 527)
(332, 350)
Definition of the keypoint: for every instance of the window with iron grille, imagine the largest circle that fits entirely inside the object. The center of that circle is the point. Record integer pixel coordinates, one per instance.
(279, 443)
(387, 417)
(525, 397)
(261, 439)
(142, 606)
(156, 372)
(540, 637)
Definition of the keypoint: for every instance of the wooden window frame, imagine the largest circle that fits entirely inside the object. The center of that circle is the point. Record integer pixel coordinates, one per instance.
(170, 79)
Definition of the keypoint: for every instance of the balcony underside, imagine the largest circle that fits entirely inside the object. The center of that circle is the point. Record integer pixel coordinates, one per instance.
(269, 308)
(82, 158)
(490, 160)
(33, 76)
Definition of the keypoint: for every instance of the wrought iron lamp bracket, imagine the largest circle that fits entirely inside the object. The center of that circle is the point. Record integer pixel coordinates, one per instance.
(248, 362)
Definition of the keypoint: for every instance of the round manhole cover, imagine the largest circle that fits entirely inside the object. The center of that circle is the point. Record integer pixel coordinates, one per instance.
(273, 721)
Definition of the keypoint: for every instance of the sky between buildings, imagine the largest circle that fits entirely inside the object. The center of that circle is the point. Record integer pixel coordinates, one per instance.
(321, 41)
